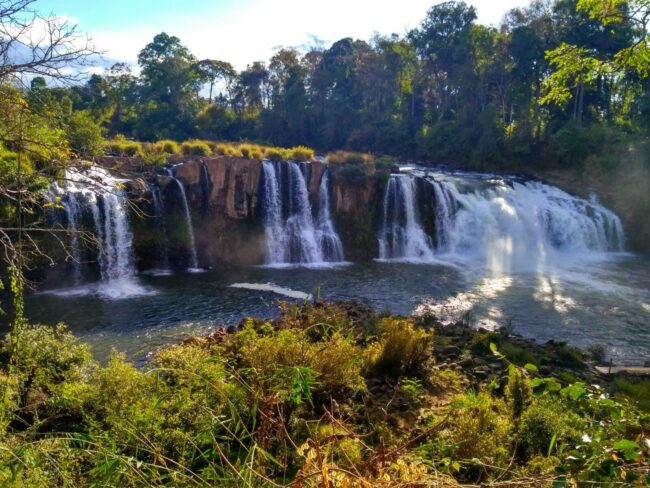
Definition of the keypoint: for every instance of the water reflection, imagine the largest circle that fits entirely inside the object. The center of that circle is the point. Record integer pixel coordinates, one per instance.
(606, 302)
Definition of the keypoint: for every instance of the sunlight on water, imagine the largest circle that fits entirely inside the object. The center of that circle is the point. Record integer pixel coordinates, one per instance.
(549, 292)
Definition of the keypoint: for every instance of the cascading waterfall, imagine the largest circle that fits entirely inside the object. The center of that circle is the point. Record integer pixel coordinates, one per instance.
(117, 241)
(97, 189)
(528, 226)
(194, 260)
(73, 210)
(273, 222)
(329, 240)
(401, 235)
(446, 208)
(159, 215)
(506, 227)
(296, 238)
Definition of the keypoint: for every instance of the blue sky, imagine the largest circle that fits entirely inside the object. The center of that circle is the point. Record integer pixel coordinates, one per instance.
(245, 30)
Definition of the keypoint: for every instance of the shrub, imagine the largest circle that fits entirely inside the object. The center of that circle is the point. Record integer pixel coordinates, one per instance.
(479, 428)
(281, 361)
(168, 147)
(154, 157)
(85, 134)
(402, 348)
(49, 355)
(518, 392)
(597, 352)
(636, 389)
(246, 151)
(119, 146)
(348, 157)
(195, 148)
(276, 154)
(257, 153)
(301, 153)
(546, 421)
(385, 161)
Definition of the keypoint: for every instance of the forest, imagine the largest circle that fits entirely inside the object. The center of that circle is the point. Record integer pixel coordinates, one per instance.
(112, 168)
(555, 84)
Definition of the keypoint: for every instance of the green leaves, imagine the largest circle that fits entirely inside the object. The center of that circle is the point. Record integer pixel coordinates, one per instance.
(302, 382)
(629, 449)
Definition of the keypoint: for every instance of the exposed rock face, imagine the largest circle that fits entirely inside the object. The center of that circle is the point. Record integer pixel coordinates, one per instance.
(356, 200)
(223, 194)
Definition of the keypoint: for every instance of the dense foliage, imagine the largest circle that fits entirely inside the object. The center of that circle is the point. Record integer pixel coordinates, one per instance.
(327, 395)
(556, 83)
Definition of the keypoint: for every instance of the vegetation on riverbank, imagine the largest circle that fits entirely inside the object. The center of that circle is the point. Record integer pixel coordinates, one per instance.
(327, 395)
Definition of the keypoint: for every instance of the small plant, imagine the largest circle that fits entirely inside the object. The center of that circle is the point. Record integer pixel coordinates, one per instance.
(402, 348)
(348, 157)
(120, 146)
(276, 154)
(301, 153)
(168, 147)
(195, 148)
(412, 387)
(246, 151)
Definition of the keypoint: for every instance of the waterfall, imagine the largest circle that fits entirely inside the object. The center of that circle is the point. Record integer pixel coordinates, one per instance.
(273, 222)
(529, 226)
(301, 233)
(445, 210)
(159, 215)
(292, 236)
(401, 235)
(194, 261)
(328, 239)
(95, 189)
(73, 210)
(505, 227)
(117, 241)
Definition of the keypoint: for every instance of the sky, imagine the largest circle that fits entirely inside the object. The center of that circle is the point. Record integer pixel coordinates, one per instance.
(243, 31)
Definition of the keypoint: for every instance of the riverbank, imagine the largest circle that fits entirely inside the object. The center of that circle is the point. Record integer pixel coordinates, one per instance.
(328, 394)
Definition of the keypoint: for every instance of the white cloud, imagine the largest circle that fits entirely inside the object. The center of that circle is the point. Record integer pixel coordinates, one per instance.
(244, 35)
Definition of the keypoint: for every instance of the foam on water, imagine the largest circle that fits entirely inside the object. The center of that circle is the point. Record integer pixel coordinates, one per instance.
(270, 287)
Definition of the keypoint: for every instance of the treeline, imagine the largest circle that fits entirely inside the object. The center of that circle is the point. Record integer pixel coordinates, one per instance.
(556, 83)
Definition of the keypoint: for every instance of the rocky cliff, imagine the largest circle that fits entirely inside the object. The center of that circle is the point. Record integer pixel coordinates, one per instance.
(223, 194)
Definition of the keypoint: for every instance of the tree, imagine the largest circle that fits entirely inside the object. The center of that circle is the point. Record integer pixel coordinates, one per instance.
(31, 45)
(170, 85)
(123, 97)
(85, 135)
(37, 45)
(216, 71)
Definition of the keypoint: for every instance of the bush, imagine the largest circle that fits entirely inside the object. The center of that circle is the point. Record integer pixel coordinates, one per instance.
(401, 349)
(195, 148)
(301, 153)
(154, 157)
(168, 147)
(348, 157)
(479, 428)
(85, 134)
(49, 355)
(544, 421)
(636, 389)
(276, 154)
(121, 147)
(246, 151)
(286, 363)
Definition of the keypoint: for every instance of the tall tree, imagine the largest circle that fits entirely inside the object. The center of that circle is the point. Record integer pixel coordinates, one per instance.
(170, 84)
